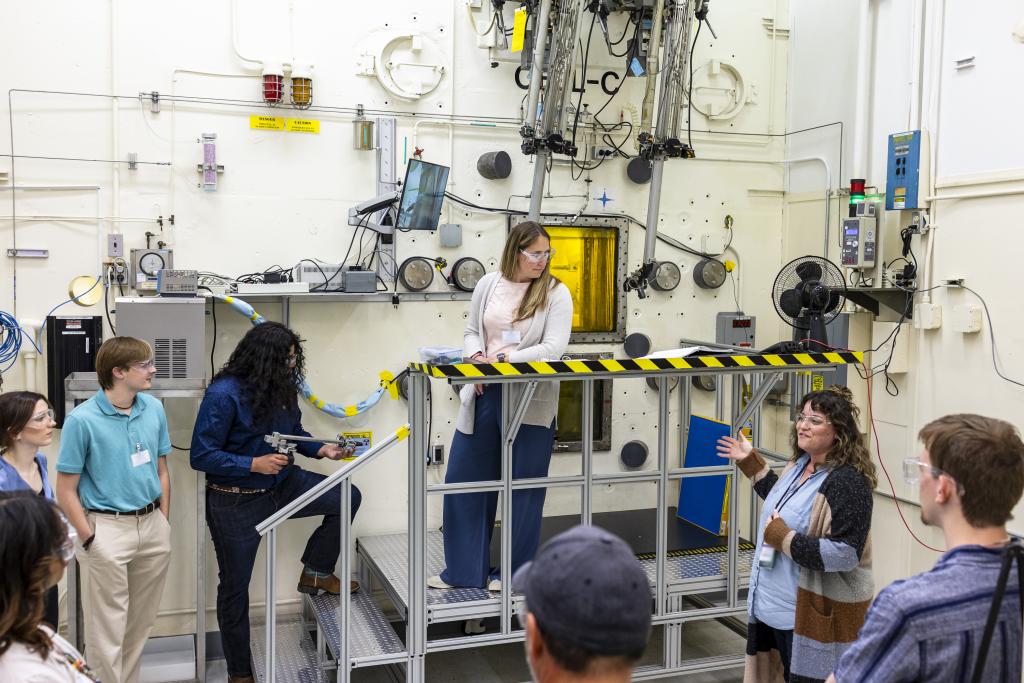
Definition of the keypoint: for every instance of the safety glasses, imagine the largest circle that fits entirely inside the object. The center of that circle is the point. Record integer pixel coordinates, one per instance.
(44, 417)
(912, 468)
(538, 256)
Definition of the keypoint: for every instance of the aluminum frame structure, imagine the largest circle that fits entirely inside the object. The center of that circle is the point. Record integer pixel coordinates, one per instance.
(342, 627)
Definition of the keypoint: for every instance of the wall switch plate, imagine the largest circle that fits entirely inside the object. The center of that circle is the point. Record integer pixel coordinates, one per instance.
(115, 245)
(967, 318)
(927, 316)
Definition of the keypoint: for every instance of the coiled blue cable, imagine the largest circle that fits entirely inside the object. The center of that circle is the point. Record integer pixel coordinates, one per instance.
(10, 342)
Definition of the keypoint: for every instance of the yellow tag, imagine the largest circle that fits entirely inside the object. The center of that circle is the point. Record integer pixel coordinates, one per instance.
(361, 441)
(303, 126)
(387, 380)
(402, 432)
(817, 382)
(518, 30)
(257, 122)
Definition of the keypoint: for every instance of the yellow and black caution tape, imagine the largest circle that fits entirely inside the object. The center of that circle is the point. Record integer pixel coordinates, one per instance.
(576, 367)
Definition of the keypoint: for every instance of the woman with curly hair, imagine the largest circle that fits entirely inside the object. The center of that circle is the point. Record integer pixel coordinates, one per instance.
(36, 543)
(811, 583)
(253, 395)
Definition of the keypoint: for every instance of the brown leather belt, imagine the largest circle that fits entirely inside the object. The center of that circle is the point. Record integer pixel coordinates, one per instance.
(237, 490)
(155, 505)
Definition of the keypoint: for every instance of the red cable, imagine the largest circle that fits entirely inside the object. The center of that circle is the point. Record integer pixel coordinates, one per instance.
(878, 447)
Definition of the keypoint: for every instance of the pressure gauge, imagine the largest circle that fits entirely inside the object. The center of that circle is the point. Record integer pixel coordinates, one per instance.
(416, 273)
(466, 273)
(150, 263)
(709, 274)
(666, 276)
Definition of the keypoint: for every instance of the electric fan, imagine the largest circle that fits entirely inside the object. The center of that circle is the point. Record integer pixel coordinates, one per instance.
(809, 293)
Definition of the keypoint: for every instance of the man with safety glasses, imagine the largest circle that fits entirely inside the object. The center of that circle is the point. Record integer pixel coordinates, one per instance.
(928, 628)
(114, 486)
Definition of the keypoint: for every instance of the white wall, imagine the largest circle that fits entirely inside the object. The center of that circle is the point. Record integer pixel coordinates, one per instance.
(963, 110)
(284, 196)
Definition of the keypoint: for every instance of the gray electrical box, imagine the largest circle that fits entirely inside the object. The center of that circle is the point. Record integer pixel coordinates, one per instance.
(175, 327)
(735, 329)
(358, 281)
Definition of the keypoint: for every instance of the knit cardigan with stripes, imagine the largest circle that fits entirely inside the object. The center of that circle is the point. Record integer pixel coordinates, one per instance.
(835, 587)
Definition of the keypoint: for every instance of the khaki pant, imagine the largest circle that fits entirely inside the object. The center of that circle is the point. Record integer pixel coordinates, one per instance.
(122, 583)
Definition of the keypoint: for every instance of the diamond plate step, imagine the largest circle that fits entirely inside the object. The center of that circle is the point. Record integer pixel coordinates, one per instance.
(370, 634)
(295, 661)
(385, 556)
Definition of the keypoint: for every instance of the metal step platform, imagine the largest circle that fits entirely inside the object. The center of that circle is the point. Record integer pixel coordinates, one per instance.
(689, 572)
(300, 659)
(296, 660)
(372, 640)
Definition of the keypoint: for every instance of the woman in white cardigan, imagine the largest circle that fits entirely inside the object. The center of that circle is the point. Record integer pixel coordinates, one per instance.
(517, 315)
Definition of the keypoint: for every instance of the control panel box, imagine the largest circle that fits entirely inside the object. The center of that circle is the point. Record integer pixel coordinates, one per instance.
(860, 242)
(145, 264)
(905, 171)
(177, 282)
(735, 329)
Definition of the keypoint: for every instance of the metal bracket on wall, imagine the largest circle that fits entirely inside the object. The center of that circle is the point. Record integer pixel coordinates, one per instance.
(387, 173)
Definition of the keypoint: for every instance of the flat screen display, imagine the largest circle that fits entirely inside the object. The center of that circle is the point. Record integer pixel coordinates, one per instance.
(419, 207)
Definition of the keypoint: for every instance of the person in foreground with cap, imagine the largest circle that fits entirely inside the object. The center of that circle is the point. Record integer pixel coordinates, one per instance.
(587, 615)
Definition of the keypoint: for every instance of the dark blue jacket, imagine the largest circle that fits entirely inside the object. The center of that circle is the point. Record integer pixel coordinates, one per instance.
(225, 440)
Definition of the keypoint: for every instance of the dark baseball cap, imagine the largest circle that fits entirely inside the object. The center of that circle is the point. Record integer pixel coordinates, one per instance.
(586, 587)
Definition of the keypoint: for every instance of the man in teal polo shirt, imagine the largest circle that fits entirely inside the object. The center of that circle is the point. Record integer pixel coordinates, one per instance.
(114, 487)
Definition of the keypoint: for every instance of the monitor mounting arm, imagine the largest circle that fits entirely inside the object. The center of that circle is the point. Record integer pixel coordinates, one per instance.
(359, 215)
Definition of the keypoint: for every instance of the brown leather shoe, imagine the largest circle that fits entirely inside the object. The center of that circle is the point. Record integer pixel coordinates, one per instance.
(312, 585)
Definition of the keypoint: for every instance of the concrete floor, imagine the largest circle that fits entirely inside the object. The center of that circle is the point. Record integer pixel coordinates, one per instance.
(506, 663)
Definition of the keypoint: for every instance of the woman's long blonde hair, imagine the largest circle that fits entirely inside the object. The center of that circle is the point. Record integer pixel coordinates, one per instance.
(520, 237)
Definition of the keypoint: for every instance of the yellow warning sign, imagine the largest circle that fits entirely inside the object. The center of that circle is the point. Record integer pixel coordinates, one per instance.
(817, 382)
(518, 30)
(303, 126)
(257, 122)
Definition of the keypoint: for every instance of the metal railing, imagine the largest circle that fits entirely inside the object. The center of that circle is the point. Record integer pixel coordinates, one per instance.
(268, 527)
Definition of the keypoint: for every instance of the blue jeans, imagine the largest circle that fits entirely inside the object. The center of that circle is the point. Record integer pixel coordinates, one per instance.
(469, 517)
(233, 518)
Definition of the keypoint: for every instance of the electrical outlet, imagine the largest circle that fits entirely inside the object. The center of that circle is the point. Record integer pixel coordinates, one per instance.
(967, 318)
(957, 282)
(437, 454)
(598, 152)
(927, 316)
(115, 245)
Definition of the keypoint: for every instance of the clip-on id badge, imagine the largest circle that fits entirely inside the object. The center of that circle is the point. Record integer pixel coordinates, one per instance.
(766, 559)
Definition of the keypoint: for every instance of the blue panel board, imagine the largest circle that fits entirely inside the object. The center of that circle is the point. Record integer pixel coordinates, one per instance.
(702, 499)
(903, 171)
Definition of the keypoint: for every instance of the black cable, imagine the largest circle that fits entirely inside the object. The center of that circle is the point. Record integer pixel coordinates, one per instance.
(689, 88)
(106, 304)
(179, 448)
(579, 100)
(631, 17)
(355, 231)
(213, 314)
(992, 337)
(671, 241)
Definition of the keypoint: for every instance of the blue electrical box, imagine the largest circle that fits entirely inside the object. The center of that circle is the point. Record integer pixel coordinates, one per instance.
(903, 172)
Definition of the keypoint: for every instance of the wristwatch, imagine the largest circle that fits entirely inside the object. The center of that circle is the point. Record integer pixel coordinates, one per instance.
(501, 357)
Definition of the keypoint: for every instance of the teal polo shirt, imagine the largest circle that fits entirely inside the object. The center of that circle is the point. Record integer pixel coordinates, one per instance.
(97, 442)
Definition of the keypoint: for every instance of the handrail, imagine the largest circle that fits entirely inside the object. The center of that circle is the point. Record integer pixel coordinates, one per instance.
(275, 520)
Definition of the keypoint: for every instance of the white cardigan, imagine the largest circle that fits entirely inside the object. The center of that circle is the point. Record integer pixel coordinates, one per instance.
(545, 339)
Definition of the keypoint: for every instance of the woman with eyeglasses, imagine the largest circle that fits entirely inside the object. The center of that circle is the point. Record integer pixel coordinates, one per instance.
(811, 582)
(26, 425)
(519, 314)
(36, 544)
(253, 395)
